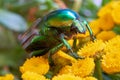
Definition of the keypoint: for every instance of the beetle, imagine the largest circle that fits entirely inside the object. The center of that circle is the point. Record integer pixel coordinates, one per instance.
(52, 32)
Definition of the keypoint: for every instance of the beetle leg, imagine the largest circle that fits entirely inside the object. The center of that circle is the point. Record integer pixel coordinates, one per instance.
(71, 53)
(90, 31)
(52, 51)
(75, 44)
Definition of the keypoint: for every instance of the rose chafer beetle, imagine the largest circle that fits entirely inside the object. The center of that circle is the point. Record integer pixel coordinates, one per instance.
(52, 32)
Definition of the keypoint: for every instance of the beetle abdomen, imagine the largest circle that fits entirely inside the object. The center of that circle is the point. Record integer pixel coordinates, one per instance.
(61, 18)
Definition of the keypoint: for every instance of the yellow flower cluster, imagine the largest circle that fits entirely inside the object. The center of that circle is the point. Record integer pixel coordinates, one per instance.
(108, 17)
(111, 60)
(35, 64)
(106, 35)
(113, 45)
(36, 67)
(81, 68)
(7, 77)
(32, 76)
(66, 77)
(61, 58)
(109, 51)
(71, 77)
(113, 9)
(92, 49)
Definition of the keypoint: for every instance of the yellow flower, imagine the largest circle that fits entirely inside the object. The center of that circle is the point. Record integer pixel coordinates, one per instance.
(66, 77)
(35, 64)
(111, 62)
(114, 4)
(95, 26)
(66, 70)
(116, 14)
(62, 58)
(7, 77)
(71, 77)
(106, 35)
(89, 78)
(106, 22)
(111, 59)
(105, 10)
(112, 8)
(92, 49)
(83, 67)
(113, 45)
(32, 76)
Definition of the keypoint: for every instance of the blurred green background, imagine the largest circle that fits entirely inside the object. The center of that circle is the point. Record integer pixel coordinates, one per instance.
(17, 15)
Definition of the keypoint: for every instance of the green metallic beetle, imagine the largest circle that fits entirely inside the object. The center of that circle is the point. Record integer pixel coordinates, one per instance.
(52, 32)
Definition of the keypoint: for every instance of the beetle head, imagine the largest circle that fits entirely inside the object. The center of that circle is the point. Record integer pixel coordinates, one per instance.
(78, 27)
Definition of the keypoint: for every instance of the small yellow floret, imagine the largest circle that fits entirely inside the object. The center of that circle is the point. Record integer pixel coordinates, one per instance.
(90, 78)
(32, 76)
(62, 58)
(111, 62)
(66, 70)
(92, 49)
(105, 10)
(116, 14)
(106, 22)
(106, 35)
(35, 64)
(66, 77)
(95, 26)
(83, 67)
(112, 45)
(111, 59)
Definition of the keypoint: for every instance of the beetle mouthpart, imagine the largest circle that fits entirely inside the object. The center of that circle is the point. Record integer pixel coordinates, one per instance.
(82, 32)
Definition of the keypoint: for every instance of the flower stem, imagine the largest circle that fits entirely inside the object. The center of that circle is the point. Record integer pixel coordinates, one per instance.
(98, 70)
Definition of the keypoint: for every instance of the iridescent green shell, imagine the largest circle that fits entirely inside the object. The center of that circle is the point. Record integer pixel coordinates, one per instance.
(61, 18)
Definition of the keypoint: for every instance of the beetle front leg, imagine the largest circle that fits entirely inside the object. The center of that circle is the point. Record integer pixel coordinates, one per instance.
(71, 53)
(90, 31)
(52, 51)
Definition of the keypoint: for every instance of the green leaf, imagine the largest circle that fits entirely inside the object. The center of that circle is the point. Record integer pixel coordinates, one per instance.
(105, 2)
(115, 76)
(116, 29)
(12, 21)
